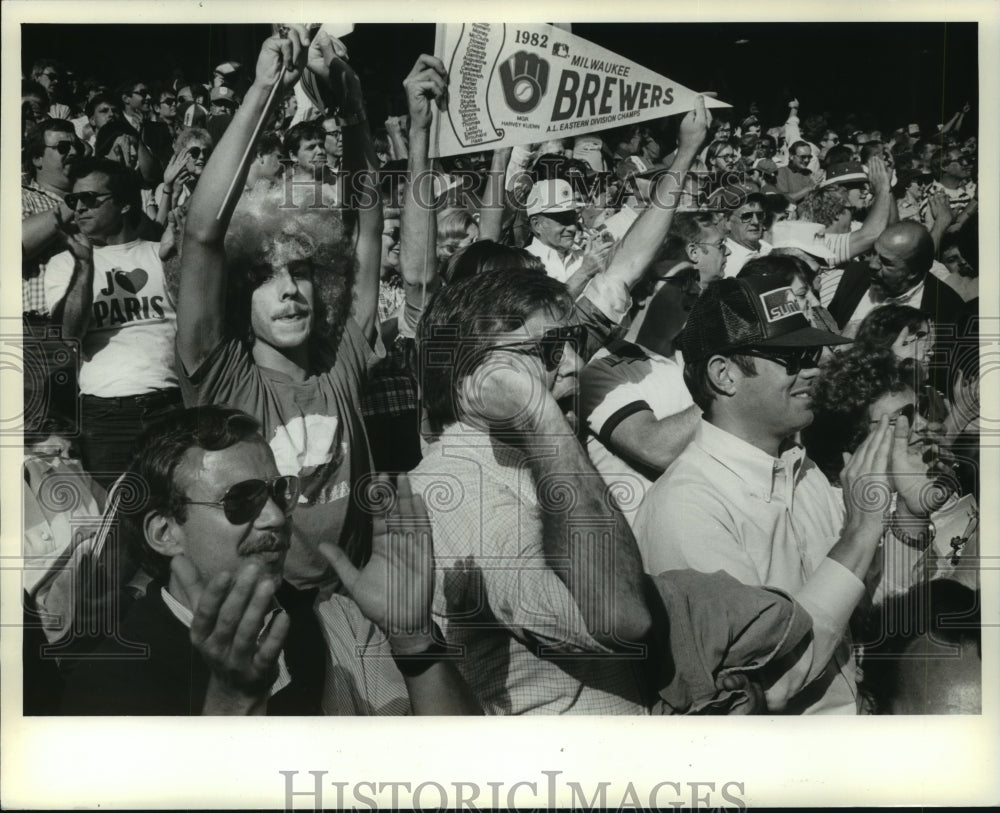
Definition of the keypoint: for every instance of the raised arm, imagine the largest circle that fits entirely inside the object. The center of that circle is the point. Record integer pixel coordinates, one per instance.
(201, 301)
(342, 91)
(644, 238)
(880, 213)
(491, 216)
(425, 86)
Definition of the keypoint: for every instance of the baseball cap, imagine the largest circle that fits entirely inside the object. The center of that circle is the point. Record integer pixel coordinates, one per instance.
(551, 196)
(732, 196)
(748, 312)
(588, 148)
(223, 94)
(227, 68)
(845, 172)
(803, 235)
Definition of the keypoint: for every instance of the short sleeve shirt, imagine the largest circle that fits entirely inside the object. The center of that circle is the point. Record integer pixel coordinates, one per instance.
(316, 432)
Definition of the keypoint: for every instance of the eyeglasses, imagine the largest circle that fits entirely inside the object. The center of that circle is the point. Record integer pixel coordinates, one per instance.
(746, 217)
(721, 245)
(727, 156)
(90, 200)
(392, 234)
(793, 359)
(550, 348)
(197, 152)
(63, 147)
(243, 502)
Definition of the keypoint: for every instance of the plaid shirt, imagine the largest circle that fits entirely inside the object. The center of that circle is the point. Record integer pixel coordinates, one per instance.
(526, 646)
(34, 200)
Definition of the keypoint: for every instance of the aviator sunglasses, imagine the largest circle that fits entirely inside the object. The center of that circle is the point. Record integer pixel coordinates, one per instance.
(243, 502)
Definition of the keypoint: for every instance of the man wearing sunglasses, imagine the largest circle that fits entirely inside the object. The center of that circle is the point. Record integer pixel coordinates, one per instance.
(554, 220)
(222, 632)
(795, 180)
(107, 291)
(953, 170)
(742, 497)
(136, 104)
(747, 223)
(48, 156)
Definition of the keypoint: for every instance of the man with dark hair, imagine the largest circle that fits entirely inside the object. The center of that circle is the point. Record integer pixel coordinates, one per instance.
(898, 273)
(135, 103)
(795, 180)
(108, 292)
(497, 353)
(304, 146)
(99, 109)
(222, 632)
(48, 156)
(753, 504)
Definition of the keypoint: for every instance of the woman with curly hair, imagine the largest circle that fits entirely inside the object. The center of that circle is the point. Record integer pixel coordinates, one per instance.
(906, 331)
(852, 393)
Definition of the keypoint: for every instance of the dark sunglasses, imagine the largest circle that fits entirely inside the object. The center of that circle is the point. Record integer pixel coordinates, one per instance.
(63, 147)
(550, 348)
(565, 218)
(746, 217)
(143, 93)
(170, 100)
(243, 502)
(793, 359)
(197, 152)
(91, 200)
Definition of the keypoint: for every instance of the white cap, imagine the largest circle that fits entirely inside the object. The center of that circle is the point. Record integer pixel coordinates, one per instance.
(801, 234)
(551, 196)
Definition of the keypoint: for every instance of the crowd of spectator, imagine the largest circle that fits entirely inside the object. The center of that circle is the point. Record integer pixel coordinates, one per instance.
(674, 418)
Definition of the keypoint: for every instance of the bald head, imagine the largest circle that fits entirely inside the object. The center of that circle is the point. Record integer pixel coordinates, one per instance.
(912, 242)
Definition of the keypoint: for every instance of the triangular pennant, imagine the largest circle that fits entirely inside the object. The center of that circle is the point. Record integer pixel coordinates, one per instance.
(511, 84)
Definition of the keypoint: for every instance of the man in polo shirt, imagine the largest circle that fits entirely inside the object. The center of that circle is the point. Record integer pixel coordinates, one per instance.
(554, 220)
(752, 503)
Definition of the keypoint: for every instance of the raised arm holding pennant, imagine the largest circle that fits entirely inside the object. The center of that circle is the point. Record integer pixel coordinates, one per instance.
(512, 84)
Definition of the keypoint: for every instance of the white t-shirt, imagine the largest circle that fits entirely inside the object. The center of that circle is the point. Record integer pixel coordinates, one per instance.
(129, 345)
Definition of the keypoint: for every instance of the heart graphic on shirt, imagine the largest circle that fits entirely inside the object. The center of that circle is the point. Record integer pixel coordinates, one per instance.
(132, 281)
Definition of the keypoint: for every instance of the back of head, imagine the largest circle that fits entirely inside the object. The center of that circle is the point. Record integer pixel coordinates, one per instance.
(488, 255)
(914, 242)
(467, 316)
(823, 205)
(880, 328)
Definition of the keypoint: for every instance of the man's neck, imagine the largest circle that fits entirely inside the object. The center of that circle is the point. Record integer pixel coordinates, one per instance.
(56, 183)
(746, 245)
(751, 433)
(293, 361)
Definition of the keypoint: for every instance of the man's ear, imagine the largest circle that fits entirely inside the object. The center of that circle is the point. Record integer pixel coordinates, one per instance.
(692, 249)
(723, 375)
(532, 224)
(162, 534)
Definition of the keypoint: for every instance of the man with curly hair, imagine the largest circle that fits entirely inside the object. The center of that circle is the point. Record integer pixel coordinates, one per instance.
(277, 315)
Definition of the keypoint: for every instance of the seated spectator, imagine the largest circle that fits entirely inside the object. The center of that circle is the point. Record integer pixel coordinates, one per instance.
(213, 528)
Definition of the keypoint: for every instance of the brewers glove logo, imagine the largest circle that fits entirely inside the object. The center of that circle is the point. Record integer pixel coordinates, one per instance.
(524, 77)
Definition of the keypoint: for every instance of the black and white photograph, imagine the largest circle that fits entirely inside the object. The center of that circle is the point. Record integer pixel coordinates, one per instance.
(406, 365)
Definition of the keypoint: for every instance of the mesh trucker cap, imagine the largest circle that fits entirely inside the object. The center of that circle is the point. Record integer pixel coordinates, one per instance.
(748, 312)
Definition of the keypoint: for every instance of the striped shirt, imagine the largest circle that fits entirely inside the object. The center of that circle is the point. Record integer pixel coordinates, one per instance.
(35, 200)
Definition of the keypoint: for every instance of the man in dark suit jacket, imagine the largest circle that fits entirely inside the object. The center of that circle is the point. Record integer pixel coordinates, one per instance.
(899, 274)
